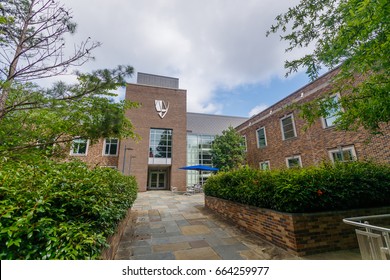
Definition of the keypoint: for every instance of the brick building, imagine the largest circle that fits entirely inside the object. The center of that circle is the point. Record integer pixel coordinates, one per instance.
(161, 124)
(170, 137)
(275, 137)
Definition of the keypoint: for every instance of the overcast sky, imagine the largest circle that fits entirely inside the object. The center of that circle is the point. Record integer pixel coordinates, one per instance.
(217, 48)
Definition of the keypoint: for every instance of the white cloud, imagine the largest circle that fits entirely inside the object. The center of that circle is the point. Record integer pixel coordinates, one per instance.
(257, 109)
(207, 44)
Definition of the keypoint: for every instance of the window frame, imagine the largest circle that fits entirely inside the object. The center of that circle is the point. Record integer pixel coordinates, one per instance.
(265, 138)
(78, 154)
(161, 145)
(324, 119)
(245, 143)
(294, 157)
(293, 124)
(265, 162)
(342, 149)
(104, 147)
(110, 166)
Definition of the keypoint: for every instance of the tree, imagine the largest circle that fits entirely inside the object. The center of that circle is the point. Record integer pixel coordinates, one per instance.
(36, 123)
(32, 46)
(354, 36)
(2, 18)
(50, 118)
(228, 150)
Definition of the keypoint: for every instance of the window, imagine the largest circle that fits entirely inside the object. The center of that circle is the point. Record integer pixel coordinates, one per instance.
(288, 127)
(79, 147)
(330, 118)
(244, 143)
(204, 151)
(206, 143)
(198, 152)
(294, 162)
(343, 154)
(261, 138)
(265, 165)
(108, 166)
(110, 147)
(160, 146)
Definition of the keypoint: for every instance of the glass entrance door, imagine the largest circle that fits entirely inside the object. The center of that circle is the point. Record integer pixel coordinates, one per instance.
(157, 180)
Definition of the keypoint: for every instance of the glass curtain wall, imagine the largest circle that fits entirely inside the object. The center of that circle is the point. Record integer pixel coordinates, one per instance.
(198, 152)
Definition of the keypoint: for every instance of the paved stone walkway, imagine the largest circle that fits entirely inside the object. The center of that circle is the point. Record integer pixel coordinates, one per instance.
(172, 226)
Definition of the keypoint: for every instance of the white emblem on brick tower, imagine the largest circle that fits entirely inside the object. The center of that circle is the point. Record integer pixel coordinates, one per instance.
(161, 107)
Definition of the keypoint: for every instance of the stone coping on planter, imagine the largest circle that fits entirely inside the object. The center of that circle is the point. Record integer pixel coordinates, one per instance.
(300, 233)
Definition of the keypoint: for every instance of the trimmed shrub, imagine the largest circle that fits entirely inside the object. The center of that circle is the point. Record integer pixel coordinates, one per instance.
(52, 210)
(323, 188)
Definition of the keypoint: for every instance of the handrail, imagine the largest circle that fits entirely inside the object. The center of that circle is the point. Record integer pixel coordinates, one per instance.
(371, 248)
(354, 221)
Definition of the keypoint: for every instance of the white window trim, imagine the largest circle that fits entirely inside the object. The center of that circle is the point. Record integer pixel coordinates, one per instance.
(266, 161)
(294, 157)
(345, 148)
(104, 148)
(265, 138)
(110, 166)
(293, 123)
(79, 155)
(324, 126)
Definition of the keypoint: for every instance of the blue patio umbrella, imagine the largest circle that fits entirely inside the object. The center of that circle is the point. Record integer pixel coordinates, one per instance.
(199, 168)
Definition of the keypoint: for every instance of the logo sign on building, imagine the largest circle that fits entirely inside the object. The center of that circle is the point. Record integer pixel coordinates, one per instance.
(161, 107)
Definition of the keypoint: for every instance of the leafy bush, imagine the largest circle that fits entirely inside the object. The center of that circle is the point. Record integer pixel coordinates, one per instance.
(327, 187)
(52, 210)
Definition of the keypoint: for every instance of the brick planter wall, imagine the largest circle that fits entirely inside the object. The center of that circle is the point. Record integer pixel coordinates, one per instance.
(301, 233)
(109, 253)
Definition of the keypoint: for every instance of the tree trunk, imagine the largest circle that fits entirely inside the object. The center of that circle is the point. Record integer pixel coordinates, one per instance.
(12, 68)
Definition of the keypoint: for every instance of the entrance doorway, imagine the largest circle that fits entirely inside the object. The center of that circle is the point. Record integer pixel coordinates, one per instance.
(157, 180)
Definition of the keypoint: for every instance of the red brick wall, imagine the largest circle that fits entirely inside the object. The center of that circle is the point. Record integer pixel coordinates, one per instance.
(302, 233)
(145, 118)
(312, 145)
(95, 157)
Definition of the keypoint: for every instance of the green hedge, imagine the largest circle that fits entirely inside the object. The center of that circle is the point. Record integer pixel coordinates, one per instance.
(52, 210)
(327, 187)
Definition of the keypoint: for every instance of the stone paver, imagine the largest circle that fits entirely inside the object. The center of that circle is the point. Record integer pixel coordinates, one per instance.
(205, 253)
(195, 230)
(172, 226)
(171, 247)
